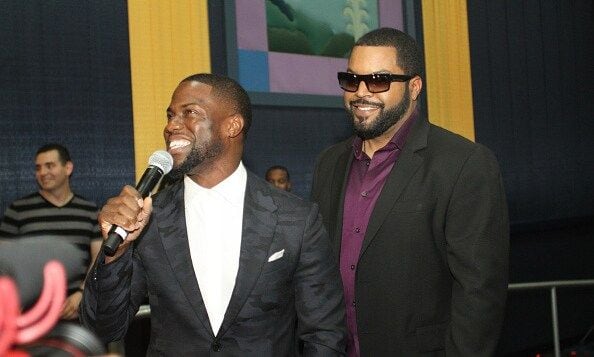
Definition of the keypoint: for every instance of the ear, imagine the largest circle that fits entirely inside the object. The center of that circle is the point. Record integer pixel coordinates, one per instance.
(69, 167)
(235, 125)
(415, 87)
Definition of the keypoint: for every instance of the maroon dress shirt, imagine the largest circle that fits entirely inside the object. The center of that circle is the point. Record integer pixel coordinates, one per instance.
(365, 182)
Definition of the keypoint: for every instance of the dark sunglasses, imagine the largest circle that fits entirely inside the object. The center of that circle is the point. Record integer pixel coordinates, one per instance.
(375, 82)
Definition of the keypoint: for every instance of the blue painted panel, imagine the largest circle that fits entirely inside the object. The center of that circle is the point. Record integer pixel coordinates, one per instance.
(253, 70)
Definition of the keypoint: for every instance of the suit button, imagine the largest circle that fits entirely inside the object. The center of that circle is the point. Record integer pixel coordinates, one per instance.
(216, 347)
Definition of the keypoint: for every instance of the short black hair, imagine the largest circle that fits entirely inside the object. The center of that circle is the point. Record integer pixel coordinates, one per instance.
(63, 153)
(410, 56)
(229, 90)
(278, 167)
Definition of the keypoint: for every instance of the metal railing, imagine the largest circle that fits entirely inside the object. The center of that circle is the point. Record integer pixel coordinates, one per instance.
(552, 286)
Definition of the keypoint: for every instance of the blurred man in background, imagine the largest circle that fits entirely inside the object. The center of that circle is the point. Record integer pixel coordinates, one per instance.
(279, 177)
(54, 210)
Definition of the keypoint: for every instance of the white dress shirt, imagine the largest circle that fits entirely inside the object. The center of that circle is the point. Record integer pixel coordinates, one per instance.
(214, 221)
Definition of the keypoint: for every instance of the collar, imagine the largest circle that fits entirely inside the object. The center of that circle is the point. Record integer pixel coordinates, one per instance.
(232, 189)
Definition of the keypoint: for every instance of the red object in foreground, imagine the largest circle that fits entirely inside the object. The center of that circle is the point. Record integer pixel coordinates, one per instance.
(41, 318)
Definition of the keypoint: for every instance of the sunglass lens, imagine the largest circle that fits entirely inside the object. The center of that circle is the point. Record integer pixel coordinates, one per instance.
(348, 82)
(375, 83)
(378, 83)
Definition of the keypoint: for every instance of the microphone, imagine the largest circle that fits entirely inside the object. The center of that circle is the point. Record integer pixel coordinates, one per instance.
(160, 163)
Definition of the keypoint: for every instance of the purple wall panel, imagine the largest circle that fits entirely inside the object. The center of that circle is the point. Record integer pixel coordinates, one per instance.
(291, 73)
(251, 25)
(391, 14)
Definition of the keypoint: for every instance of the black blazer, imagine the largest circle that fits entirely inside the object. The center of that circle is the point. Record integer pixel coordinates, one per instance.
(433, 269)
(269, 299)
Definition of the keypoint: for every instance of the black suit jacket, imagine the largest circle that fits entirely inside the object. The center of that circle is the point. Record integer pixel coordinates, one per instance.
(432, 273)
(269, 299)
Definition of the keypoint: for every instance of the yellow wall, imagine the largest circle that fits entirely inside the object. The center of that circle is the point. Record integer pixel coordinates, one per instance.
(168, 42)
(447, 65)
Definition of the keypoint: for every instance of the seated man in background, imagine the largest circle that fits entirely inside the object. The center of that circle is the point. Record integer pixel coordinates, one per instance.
(56, 211)
(278, 176)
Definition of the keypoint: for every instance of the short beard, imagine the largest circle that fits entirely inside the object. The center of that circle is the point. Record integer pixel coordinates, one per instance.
(384, 121)
(196, 157)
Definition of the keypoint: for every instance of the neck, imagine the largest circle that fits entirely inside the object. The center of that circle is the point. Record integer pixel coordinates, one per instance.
(370, 146)
(58, 197)
(213, 173)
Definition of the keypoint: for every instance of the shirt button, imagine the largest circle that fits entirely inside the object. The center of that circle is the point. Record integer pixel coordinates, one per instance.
(357, 230)
(367, 162)
(353, 267)
(216, 347)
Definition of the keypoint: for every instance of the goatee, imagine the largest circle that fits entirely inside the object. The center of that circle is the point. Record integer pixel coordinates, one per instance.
(196, 157)
(384, 121)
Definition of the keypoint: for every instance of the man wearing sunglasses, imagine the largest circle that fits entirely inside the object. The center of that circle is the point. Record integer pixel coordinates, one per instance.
(417, 216)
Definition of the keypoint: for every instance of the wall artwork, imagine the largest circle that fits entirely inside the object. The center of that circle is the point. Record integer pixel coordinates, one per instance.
(287, 52)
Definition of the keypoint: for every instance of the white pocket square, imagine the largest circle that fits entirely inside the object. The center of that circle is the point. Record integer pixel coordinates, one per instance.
(276, 256)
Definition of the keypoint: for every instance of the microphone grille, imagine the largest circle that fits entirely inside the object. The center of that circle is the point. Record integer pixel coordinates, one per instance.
(161, 159)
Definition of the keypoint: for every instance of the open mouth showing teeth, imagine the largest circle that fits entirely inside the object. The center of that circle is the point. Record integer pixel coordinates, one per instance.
(178, 144)
(365, 106)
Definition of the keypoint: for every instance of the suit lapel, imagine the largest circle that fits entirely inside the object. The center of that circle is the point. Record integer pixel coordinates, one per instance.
(171, 224)
(259, 222)
(339, 182)
(402, 172)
